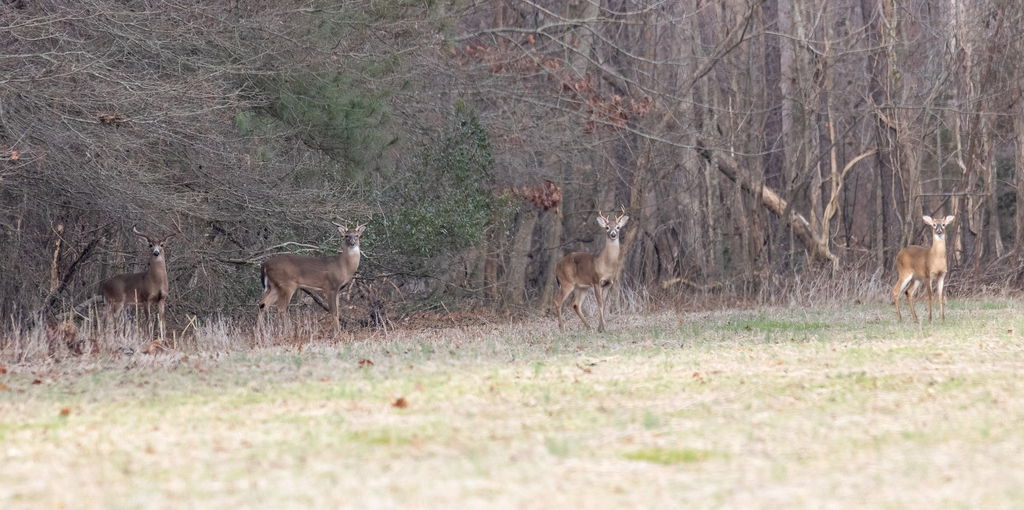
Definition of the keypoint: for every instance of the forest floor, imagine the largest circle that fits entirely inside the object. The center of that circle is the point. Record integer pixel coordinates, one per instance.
(838, 407)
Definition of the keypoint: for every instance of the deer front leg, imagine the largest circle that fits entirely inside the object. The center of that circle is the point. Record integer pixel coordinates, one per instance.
(332, 298)
(942, 299)
(160, 317)
(145, 325)
(929, 299)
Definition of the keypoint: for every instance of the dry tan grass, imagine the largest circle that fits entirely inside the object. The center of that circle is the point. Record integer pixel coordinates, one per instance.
(836, 407)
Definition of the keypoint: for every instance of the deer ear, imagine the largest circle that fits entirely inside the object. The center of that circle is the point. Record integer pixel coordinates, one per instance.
(949, 219)
(928, 220)
(622, 221)
(601, 221)
(144, 239)
(360, 229)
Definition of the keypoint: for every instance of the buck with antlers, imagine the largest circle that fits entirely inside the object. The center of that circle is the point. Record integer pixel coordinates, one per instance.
(284, 274)
(578, 271)
(146, 289)
(919, 264)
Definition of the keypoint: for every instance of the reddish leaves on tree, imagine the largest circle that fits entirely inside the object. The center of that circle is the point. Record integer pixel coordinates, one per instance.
(546, 198)
(600, 111)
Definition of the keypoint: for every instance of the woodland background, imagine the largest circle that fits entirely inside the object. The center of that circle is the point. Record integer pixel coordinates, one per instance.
(763, 149)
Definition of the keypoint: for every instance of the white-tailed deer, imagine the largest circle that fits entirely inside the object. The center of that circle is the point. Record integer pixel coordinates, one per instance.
(579, 271)
(284, 274)
(919, 264)
(145, 289)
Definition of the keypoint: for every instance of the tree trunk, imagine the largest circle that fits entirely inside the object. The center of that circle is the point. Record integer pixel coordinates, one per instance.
(1018, 159)
(522, 243)
(553, 252)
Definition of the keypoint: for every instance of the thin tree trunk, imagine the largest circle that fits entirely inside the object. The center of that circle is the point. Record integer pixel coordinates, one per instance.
(1018, 158)
(522, 243)
(552, 240)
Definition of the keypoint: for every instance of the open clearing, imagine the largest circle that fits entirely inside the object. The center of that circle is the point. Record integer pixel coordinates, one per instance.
(806, 408)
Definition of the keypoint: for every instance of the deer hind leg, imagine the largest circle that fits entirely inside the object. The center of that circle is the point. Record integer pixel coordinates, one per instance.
(563, 292)
(270, 297)
(284, 298)
(900, 288)
(581, 292)
(910, 298)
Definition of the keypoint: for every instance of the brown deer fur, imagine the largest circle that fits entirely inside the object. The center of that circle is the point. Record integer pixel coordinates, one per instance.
(284, 274)
(146, 289)
(578, 271)
(919, 264)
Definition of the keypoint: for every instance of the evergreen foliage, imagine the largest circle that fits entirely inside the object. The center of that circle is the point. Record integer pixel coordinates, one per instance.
(447, 205)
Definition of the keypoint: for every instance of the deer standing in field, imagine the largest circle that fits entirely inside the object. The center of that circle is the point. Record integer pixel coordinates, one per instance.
(284, 274)
(578, 271)
(919, 264)
(145, 289)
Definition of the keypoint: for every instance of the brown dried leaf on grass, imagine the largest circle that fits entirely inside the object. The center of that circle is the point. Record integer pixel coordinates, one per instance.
(401, 403)
(154, 347)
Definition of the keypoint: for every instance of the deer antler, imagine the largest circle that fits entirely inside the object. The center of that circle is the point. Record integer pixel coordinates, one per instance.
(599, 215)
(621, 215)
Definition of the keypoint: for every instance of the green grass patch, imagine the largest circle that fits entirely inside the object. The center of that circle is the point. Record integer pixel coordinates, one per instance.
(774, 325)
(669, 456)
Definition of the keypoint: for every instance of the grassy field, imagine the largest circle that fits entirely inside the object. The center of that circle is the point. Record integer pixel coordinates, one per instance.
(770, 408)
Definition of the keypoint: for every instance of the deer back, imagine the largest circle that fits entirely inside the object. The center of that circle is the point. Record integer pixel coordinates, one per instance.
(314, 272)
(578, 267)
(914, 258)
